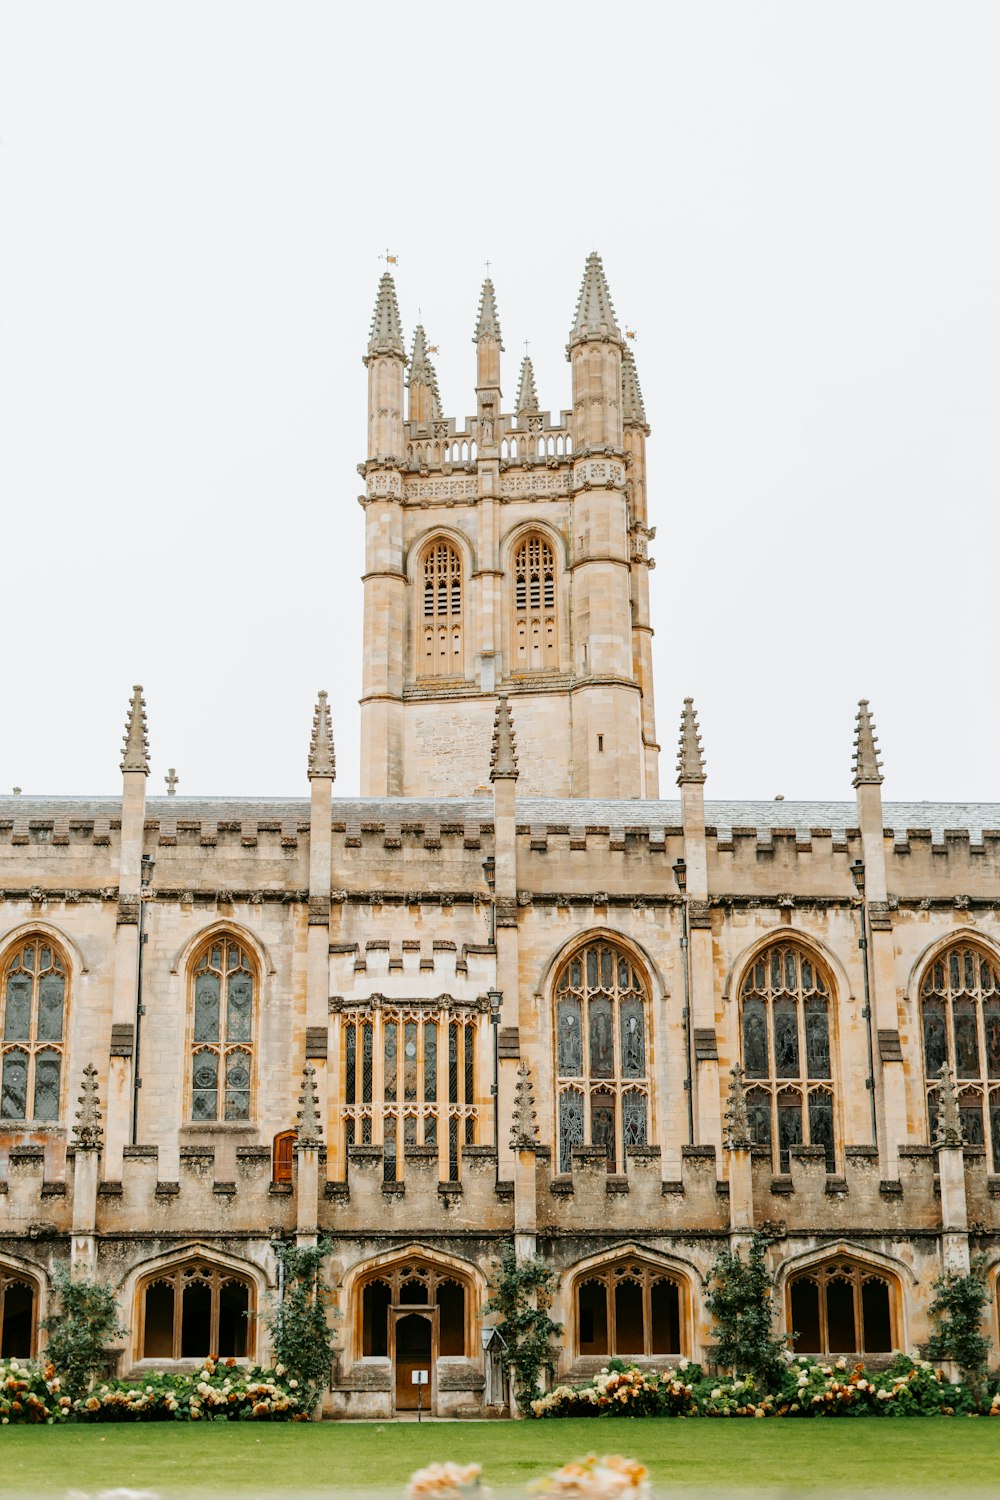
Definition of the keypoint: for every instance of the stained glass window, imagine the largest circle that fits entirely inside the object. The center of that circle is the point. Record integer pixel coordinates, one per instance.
(785, 1003)
(223, 1026)
(960, 1020)
(33, 991)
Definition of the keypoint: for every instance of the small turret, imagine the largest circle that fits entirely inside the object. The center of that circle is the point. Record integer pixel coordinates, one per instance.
(386, 361)
(527, 395)
(386, 335)
(488, 322)
(425, 401)
(595, 315)
(503, 757)
(633, 410)
(867, 766)
(135, 756)
(322, 758)
(489, 347)
(595, 353)
(690, 757)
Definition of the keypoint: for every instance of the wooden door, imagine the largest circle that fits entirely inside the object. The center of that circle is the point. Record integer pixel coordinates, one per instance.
(414, 1351)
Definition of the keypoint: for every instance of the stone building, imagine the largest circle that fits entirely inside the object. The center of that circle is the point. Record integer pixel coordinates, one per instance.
(508, 991)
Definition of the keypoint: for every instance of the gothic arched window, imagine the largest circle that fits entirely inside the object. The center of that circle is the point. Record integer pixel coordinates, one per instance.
(785, 1019)
(196, 1309)
(628, 1308)
(18, 1315)
(33, 991)
(842, 1307)
(222, 1037)
(534, 637)
(602, 1054)
(441, 623)
(412, 1283)
(960, 1015)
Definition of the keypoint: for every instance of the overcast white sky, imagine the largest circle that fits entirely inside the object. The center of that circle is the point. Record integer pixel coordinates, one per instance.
(798, 212)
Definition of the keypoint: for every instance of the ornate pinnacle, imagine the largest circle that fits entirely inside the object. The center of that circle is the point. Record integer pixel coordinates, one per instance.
(633, 410)
(386, 336)
(309, 1128)
(949, 1120)
(421, 371)
(135, 755)
(487, 322)
(88, 1131)
(527, 396)
(322, 760)
(690, 760)
(523, 1129)
(503, 757)
(738, 1136)
(595, 316)
(867, 769)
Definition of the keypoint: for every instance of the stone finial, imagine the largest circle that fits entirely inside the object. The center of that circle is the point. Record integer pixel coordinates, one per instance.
(135, 756)
(523, 1127)
(949, 1119)
(88, 1132)
(527, 396)
(422, 372)
(867, 769)
(738, 1136)
(487, 321)
(595, 316)
(633, 409)
(386, 336)
(322, 760)
(503, 757)
(690, 759)
(309, 1128)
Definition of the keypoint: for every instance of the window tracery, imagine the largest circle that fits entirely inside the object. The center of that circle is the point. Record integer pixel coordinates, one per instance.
(194, 1309)
(535, 646)
(960, 1016)
(224, 1004)
(601, 1054)
(441, 624)
(412, 1283)
(842, 1307)
(628, 1308)
(787, 1059)
(33, 998)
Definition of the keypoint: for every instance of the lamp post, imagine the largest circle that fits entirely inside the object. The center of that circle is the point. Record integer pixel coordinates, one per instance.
(858, 876)
(680, 876)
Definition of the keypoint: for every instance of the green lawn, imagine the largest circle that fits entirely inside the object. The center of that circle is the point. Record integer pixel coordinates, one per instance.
(853, 1456)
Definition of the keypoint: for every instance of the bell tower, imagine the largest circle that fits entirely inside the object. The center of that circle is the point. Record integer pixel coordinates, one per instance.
(506, 556)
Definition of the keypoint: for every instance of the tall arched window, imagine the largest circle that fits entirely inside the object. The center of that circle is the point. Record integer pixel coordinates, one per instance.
(628, 1308)
(442, 618)
(225, 986)
(842, 1307)
(602, 1054)
(534, 636)
(33, 994)
(195, 1309)
(18, 1315)
(785, 1019)
(412, 1283)
(960, 1014)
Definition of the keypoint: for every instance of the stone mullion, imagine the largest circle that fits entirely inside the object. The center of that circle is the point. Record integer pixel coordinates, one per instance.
(378, 1079)
(444, 1122)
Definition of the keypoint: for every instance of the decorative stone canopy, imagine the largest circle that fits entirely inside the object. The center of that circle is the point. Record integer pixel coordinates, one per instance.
(322, 759)
(386, 336)
(503, 758)
(309, 1129)
(690, 759)
(135, 756)
(867, 766)
(88, 1132)
(949, 1121)
(523, 1126)
(738, 1136)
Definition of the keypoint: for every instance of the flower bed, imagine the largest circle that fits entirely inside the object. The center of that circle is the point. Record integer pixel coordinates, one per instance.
(219, 1391)
(30, 1393)
(808, 1388)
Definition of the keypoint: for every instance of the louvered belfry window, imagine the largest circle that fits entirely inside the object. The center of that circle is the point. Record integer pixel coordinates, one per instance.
(535, 643)
(442, 654)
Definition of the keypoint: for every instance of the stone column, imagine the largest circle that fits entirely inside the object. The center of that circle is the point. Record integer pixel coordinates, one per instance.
(87, 1143)
(321, 771)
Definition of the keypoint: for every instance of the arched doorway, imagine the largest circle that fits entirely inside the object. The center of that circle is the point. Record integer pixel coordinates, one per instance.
(414, 1347)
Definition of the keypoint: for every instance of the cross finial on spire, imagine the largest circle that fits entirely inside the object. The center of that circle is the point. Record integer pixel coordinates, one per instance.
(527, 395)
(322, 760)
(135, 756)
(867, 767)
(88, 1132)
(386, 336)
(690, 758)
(171, 779)
(487, 321)
(738, 1137)
(309, 1130)
(503, 758)
(949, 1118)
(595, 316)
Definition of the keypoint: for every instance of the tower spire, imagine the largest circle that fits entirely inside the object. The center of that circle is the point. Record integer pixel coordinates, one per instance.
(867, 768)
(487, 322)
(527, 396)
(422, 377)
(503, 759)
(595, 316)
(386, 336)
(135, 755)
(322, 759)
(633, 410)
(690, 758)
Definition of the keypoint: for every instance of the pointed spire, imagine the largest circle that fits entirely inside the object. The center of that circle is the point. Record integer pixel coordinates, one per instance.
(523, 1127)
(386, 336)
(633, 410)
(309, 1128)
(867, 769)
(421, 371)
(595, 316)
(322, 759)
(527, 396)
(88, 1131)
(690, 759)
(135, 756)
(503, 757)
(738, 1137)
(949, 1118)
(487, 323)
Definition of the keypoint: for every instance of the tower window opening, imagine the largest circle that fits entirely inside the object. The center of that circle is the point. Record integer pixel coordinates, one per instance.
(534, 626)
(442, 644)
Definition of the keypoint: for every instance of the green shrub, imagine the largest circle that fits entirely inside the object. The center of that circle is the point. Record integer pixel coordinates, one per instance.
(957, 1315)
(79, 1333)
(297, 1321)
(521, 1294)
(740, 1303)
